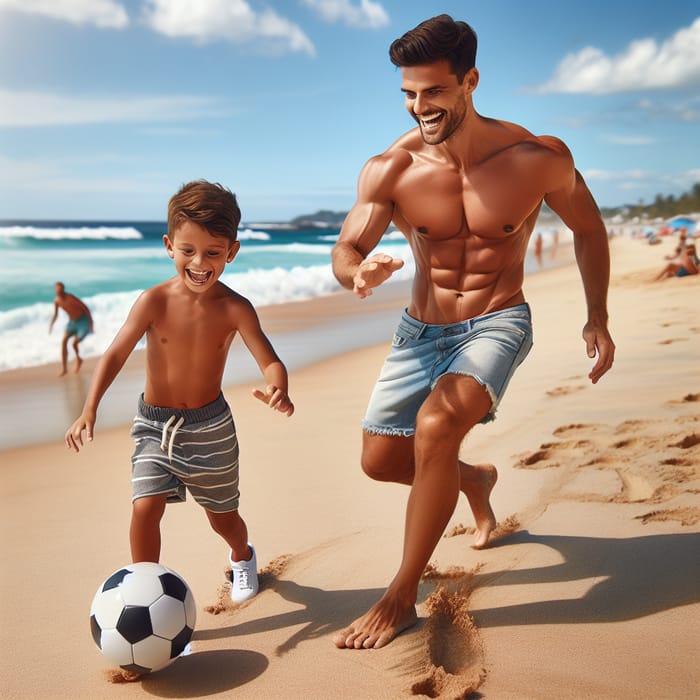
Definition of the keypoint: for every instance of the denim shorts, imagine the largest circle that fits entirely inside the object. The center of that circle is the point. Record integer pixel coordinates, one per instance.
(487, 348)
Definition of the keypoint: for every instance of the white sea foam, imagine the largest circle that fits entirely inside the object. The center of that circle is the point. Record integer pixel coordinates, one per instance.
(24, 339)
(79, 233)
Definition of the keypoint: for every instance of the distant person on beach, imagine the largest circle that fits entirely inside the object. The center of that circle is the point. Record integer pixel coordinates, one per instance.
(538, 249)
(466, 192)
(79, 324)
(184, 432)
(686, 264)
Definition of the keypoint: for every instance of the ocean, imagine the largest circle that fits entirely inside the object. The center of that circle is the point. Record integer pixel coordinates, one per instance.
(107, 264)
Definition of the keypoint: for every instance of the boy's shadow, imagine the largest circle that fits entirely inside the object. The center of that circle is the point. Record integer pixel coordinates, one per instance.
(641, 576)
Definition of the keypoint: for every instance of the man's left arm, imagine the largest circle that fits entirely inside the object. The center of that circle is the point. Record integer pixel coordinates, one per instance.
(575, 205)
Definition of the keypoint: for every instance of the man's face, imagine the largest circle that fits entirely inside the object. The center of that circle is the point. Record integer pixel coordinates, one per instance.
(435, 99)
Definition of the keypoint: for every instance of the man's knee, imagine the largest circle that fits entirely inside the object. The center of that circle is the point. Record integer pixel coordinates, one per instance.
(387, 458)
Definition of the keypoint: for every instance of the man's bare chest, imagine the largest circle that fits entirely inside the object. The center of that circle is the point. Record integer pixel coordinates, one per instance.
(442, 202)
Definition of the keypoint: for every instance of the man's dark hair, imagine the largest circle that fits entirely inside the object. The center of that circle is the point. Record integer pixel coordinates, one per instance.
(436, 39)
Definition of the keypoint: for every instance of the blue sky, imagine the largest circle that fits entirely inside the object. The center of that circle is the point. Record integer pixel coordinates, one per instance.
(107, 106)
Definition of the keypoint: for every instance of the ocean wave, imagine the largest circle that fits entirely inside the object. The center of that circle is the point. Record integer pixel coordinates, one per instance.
(24, 339)
(81, 233)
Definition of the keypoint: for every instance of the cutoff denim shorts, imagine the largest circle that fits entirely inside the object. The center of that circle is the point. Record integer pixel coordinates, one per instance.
(488, 348)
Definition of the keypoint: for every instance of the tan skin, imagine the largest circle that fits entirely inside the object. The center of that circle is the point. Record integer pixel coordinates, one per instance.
(75, 309)
(190, 322)
(465, 191)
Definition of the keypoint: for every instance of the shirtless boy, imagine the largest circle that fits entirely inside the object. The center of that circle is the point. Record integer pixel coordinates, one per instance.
(79, 324)
(184, 432)
(466, 191)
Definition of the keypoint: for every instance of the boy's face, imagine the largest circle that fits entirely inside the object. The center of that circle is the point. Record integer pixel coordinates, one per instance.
(199, 257)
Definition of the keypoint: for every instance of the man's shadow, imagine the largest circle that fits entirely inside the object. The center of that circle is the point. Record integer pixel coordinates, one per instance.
(643, 576)
(640, 576)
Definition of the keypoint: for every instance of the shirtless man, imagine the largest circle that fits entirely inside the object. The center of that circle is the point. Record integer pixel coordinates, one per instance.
(79, 324)
(466, 191)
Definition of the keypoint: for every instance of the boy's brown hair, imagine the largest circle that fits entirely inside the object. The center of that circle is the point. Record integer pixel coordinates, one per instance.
(208, 204)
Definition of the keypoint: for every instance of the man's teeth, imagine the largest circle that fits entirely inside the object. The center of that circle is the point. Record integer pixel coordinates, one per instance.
(431, 120)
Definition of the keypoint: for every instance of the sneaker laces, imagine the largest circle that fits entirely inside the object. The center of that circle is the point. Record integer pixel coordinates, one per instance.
(164, 439)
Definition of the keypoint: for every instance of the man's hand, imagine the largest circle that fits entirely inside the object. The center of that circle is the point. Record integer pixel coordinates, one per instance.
(598, 342)
(373, 272)
(275, 398)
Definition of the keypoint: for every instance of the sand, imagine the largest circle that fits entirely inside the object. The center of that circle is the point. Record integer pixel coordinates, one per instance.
(592, 589)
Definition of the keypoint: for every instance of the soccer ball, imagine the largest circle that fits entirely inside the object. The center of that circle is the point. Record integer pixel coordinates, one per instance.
(142, 617)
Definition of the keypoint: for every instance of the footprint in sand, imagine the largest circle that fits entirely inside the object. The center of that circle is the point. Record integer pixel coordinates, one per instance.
(564, 390)
(670, 341)
(651, 461)
(452, 655)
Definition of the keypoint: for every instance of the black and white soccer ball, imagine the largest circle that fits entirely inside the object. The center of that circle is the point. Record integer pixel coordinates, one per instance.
(142, 617)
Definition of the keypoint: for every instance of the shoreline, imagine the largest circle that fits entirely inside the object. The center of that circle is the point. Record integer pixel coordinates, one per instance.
(302, 332)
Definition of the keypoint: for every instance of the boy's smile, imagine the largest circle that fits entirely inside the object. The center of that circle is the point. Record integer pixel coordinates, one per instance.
(200, 257)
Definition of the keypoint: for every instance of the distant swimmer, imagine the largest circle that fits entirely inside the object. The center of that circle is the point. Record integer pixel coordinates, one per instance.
(79, 324)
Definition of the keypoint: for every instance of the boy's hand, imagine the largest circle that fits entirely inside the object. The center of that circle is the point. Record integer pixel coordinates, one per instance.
(74, 434)
(275, 398)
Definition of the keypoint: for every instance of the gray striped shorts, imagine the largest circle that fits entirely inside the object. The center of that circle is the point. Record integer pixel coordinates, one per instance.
(194, 449)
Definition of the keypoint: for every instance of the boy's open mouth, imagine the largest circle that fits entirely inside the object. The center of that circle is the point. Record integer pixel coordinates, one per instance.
(198, 277)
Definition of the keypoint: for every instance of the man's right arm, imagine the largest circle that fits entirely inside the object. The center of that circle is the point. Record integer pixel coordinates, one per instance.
(363, 228)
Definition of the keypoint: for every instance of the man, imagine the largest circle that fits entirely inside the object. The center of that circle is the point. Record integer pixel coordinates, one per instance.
(79, 324)
(466, 191)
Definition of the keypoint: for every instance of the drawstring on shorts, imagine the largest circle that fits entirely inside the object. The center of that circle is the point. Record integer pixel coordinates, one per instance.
(171, 442)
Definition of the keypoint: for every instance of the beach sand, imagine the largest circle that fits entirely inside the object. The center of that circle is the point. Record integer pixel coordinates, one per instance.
(592, 590)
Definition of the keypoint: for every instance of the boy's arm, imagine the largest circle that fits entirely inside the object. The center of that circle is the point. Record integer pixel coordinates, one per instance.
(108, 368)
(275, 373)
(573, 202)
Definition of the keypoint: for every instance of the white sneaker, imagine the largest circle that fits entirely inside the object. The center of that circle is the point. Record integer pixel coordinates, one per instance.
(244, 578)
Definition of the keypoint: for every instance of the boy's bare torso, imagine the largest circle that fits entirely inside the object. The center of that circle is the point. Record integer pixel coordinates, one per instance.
(188, 340)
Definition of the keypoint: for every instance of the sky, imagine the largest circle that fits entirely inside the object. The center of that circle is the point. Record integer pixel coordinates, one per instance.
(108, 106)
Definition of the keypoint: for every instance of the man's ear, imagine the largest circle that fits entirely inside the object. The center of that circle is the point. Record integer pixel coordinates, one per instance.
(168, 246)
(471, 80)
(233, 251)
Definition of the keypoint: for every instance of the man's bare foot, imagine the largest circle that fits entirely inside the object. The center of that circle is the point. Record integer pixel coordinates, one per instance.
(78, 364)
(378, 626)
(63, 372)
(478, 481)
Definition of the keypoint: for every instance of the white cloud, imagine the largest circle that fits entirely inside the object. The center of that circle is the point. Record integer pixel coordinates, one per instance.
(643, 65)
(39, 109)
(630, 140)
(368, 14)
(105, 14)
(227, 20)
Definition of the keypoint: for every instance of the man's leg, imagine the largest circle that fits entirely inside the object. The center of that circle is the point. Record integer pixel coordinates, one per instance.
(455, 405)
(64, 355)
(78, 359)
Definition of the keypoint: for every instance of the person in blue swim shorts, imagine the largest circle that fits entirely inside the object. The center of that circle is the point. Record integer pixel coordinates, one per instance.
(78, 326)
(466, 192)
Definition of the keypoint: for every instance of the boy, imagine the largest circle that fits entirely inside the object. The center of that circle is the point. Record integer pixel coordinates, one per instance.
(78, 326)
(184, 431)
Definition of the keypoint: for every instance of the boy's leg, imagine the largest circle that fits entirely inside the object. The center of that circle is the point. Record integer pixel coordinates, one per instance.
(244, 573)
(144, 534)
